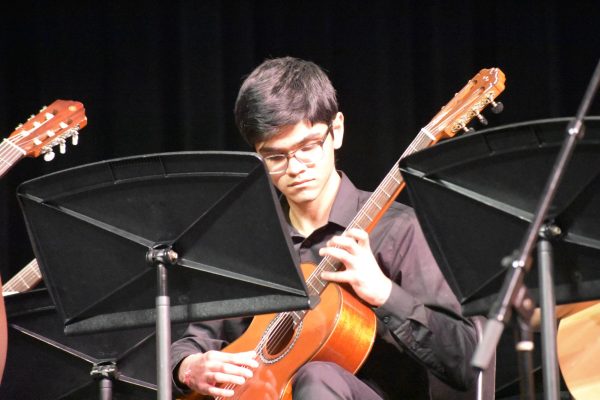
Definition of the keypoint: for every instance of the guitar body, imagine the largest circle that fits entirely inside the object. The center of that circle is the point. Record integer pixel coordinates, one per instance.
(3, 335)
(340, 329)
(578, 348)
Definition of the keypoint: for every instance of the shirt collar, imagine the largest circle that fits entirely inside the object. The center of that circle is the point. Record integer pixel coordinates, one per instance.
(345, 206)
(346, 203)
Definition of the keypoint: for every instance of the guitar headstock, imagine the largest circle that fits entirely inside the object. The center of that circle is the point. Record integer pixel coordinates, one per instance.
(51, 127)
(478, 93)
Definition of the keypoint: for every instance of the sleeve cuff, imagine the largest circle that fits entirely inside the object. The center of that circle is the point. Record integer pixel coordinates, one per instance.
(399, 307)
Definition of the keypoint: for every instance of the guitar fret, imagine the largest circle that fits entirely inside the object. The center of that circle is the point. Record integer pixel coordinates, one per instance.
(376, 205)
(312, 286)
(14, 146)
(322, 284)
(24, 283)
(6, 162)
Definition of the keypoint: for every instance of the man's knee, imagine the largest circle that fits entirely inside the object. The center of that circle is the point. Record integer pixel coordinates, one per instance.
(318, 372)
(320, 380)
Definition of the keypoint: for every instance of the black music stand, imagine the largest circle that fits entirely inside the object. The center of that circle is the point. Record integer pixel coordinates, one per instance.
(45, 364)
(475, 197)
(105, 234)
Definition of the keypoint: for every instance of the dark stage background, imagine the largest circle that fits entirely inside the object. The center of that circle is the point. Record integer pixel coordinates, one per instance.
(163, 76)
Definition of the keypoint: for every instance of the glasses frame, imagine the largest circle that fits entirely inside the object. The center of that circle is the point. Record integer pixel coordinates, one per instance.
(292, 153)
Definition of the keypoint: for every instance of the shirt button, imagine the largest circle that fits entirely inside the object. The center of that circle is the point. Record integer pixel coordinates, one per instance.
(386, 320)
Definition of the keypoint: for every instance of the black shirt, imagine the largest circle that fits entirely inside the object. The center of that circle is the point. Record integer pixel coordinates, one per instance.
(420, 332)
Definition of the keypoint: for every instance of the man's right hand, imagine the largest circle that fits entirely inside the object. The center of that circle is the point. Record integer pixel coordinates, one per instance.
(207, 373)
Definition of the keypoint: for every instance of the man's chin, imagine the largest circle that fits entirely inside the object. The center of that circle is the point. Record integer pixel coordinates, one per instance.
(300, 197)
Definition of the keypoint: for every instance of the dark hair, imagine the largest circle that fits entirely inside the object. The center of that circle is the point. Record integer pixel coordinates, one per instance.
(280, 92)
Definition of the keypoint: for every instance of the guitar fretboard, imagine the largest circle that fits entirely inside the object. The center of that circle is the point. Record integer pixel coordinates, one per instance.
(29, 277)
(9, 154)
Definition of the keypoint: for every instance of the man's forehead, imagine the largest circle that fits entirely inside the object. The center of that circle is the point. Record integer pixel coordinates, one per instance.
(290, 135)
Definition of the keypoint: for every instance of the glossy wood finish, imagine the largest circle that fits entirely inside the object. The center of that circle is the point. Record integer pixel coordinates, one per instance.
(340, 329)
(3, 335)
(578, 351)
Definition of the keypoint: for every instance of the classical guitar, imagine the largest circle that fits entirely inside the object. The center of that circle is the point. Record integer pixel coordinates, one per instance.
(341, 328)
(51, 127)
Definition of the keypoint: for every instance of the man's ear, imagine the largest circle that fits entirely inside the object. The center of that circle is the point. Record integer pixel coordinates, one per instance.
(338, 130)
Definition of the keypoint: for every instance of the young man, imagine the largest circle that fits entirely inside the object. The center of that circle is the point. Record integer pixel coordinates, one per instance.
(287, 111)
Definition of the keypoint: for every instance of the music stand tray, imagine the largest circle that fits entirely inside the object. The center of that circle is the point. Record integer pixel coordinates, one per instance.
(43, 363)
(105, 235)
(475, 197)
(92, 226)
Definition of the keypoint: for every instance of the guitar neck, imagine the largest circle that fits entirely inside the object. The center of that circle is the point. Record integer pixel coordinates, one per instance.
(9, 154)
(27, 278)
(374, 208)
(387, 191)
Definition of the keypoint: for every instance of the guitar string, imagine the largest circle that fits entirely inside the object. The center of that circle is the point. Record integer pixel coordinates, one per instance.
(8, 149)
(278, 330)
(423, 139)
(12, 147)
(20, 280)
(327, 262)
(324, 261)
(25, 133)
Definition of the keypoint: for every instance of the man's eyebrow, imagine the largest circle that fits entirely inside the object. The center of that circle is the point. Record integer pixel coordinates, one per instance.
(279, 150)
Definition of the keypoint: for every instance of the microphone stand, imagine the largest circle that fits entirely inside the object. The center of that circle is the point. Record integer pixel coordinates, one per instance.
(513, 294)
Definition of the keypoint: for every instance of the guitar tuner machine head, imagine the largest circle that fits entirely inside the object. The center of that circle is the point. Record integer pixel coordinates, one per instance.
(497, 107)
(61, 142)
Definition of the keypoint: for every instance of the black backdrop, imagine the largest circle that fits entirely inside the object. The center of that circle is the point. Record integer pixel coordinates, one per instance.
(163, 76)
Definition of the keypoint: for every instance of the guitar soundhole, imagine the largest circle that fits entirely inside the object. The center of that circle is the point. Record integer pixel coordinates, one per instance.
(281, 336)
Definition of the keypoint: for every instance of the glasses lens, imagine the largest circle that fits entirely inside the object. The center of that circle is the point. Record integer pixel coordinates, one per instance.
(276, 164)
(311, 153)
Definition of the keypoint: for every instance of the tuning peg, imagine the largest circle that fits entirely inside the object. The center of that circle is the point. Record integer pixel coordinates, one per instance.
(497, 107)
(75, 138)
(49, 156)
(468, 130)
(482, 119)
(62, 146)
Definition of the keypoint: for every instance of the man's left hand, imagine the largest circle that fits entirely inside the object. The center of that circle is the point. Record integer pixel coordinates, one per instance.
(361, 269)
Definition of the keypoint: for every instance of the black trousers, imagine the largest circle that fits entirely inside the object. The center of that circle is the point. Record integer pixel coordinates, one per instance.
(319, 380)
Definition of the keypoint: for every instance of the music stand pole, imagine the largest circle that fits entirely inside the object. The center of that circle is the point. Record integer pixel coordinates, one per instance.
(501, 309)
(547, 303)
(161, 258)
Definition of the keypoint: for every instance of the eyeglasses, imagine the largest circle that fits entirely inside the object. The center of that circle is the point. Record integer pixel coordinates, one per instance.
(308, 154)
